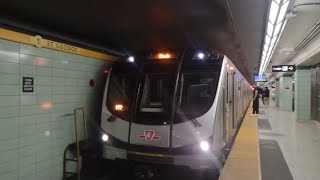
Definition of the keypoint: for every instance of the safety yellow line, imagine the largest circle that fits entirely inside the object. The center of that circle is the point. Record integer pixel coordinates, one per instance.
(243, 162)
(27, 39)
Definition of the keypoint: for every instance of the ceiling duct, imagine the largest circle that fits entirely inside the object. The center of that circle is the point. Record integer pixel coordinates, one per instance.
(305, 40)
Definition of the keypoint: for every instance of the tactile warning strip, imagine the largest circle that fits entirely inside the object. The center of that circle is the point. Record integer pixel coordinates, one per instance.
(243, 162)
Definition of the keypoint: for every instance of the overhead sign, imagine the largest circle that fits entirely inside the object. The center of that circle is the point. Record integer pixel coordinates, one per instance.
(27, 84)
(284, 68)
(260, 78)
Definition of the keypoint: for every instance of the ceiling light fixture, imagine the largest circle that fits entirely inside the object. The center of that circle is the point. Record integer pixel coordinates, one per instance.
(275, 25)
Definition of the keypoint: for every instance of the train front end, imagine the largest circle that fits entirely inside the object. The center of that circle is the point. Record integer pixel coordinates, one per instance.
(162, 108)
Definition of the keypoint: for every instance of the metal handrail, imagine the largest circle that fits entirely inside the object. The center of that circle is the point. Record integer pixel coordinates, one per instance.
(77, 160)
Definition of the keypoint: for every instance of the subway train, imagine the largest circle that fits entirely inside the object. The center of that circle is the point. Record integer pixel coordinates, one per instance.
(178, 108)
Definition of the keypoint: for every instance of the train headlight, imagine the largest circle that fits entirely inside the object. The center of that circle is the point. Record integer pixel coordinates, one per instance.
(105, 138)
(200, 55)
(204, 146)
(131, 59)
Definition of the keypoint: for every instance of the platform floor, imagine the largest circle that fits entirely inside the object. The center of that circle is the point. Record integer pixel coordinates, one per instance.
(299, 143)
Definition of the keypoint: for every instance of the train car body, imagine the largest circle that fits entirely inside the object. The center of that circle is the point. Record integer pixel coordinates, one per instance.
(179, 108)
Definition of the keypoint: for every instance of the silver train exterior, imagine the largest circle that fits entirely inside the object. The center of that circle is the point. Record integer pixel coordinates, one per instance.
(170, 108)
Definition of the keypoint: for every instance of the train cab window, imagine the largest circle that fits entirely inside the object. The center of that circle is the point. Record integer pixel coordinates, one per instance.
(155, 93)
(155, 97)
(121, 89)
(196, 94)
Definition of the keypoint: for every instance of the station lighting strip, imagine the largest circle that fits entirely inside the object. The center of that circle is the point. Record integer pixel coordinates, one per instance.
(275, 25)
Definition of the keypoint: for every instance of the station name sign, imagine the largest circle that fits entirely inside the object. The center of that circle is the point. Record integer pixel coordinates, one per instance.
(40, 42)
(284, 68)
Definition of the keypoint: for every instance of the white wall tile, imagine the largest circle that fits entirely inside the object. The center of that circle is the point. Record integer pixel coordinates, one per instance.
(28, 60)
(8, 90)
(44, 71)
(9, 78)
(9, 144)
(8, 167)
(28, 70)
(9, 100)
(39, 125)
(44, 81)
(28, 110)
(28, 100)
(10, 57)
(13, 175)
(9, 46)
(58, 81)
(6, 156)
(44, 90)
(43, 61)
(11, 68)
(6, 112)
(9, 132)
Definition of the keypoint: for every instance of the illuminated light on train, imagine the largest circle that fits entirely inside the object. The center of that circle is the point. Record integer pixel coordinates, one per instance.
(105, 138)
(118, 107)
(131, 59)
(106, 71)
(204, 146)
(231, 68)
(164, 56)
(200, 55)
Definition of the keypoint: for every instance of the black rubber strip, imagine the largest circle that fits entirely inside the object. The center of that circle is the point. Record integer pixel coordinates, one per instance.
(273, 164)
(264, 124)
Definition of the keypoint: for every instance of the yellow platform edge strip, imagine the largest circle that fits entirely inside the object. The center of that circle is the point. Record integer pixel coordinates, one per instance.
(28, 39)
(243, 162)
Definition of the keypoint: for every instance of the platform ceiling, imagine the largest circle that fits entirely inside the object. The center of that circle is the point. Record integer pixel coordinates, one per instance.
(126, 25)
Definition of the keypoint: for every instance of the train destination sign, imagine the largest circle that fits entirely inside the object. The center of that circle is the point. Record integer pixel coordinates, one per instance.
(27, 84)
(284, 68)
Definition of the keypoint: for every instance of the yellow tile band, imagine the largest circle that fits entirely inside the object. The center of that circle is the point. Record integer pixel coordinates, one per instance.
(243, 162)
(40, 42)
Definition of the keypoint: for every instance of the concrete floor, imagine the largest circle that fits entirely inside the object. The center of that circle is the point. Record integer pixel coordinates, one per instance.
(299, 141)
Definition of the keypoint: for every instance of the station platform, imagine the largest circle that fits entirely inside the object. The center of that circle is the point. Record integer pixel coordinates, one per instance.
(274, 146)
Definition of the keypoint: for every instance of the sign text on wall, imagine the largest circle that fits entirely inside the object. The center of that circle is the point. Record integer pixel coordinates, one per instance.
(39, 42)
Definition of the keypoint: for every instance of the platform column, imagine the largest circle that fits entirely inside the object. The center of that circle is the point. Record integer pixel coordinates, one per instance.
(285, 96)
(277, 97)
(303, 94)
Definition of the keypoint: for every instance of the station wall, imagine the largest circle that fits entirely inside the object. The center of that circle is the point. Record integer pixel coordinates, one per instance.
(35, 127)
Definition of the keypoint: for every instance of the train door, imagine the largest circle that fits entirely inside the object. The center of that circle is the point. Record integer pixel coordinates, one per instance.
(229, 105)
(233, 102)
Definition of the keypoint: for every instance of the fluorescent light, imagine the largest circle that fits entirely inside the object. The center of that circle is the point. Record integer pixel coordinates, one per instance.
(275, 26)
(265, 48)
(283, 11)
(273, 12)
(277, 29)
(267, 40)
(273, 40)
(277, 1)
(270, 29)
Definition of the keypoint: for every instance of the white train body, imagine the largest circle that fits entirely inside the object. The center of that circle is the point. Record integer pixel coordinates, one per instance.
(170, 108)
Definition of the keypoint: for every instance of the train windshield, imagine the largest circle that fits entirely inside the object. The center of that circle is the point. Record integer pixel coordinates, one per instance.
(197, 94)
(122, 89)
(156, 93)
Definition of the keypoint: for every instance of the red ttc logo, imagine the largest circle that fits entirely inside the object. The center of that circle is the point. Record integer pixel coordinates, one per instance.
(149, 135)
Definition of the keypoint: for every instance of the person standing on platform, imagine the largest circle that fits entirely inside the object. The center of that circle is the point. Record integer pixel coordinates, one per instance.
(266, 96)
(255, 104)
(260, 93)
